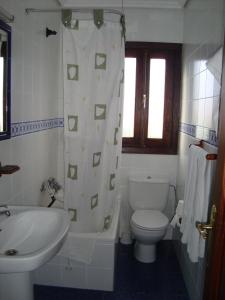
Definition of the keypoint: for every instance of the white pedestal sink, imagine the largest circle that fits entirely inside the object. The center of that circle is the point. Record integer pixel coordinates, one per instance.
(33, 235)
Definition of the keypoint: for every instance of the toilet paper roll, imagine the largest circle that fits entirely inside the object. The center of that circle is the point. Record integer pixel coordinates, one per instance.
(178, 215)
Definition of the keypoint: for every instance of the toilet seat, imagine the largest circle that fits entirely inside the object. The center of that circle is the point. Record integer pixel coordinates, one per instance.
(150, 220)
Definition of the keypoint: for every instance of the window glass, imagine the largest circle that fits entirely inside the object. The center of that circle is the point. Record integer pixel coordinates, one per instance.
(156, 98)
(129, 97)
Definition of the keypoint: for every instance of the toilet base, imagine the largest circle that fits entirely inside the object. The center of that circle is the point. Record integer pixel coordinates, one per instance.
(145, 253)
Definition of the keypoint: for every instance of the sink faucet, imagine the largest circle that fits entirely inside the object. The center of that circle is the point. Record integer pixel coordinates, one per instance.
(5, 211)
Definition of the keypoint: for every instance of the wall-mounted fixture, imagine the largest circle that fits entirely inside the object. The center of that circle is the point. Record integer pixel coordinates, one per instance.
(49, 32)
(8, 169)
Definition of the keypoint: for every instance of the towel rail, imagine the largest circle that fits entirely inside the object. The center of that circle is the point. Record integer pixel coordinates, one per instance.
(210, 156)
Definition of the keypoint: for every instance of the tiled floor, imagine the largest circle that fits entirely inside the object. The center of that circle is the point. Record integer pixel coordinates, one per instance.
(161, 280)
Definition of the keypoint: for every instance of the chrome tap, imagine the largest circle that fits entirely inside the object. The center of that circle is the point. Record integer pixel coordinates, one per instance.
(5, 211)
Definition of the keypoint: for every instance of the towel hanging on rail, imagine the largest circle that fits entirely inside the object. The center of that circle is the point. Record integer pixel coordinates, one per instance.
(196, 200)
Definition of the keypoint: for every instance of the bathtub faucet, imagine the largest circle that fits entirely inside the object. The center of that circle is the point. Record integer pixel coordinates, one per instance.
(5, 211)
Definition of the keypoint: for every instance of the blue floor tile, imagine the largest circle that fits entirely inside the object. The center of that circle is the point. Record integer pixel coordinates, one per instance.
(161, 280)
(131, 296)
(176, 297)
(57, 293)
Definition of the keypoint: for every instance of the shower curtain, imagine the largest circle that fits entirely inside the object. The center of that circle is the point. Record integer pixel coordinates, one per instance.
(93, 62)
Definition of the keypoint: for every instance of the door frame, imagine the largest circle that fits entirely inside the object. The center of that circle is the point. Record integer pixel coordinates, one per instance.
(215, 259)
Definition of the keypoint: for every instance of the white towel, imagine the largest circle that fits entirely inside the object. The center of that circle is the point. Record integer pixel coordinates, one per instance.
(196, 200)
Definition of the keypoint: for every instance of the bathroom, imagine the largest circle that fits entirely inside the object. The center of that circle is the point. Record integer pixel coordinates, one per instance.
(37, 97)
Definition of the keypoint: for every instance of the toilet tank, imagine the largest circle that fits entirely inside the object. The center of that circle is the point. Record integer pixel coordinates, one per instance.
(146, 192)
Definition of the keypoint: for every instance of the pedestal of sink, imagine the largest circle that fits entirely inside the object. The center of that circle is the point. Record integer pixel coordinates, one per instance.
(29, 237)
(16, 286)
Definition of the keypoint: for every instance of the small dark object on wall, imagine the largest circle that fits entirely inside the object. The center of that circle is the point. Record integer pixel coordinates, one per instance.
(49, 32)
(9, 169)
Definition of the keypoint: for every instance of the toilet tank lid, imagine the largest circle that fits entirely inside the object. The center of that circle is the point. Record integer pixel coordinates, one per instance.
(147, 178)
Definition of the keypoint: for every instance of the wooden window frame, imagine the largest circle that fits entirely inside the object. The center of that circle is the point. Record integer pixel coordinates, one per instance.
(143, 51)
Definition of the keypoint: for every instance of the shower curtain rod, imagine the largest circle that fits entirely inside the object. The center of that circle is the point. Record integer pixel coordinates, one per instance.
(6, 16)
(79, 10)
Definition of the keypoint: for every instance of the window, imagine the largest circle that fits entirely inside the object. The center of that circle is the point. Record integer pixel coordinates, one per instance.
(151, 98)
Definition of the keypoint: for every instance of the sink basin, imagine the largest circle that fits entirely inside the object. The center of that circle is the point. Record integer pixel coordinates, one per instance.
(32, 235)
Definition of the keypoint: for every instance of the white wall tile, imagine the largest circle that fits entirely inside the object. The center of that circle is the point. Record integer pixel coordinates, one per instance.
(202, 84)
(201, 112)
(196, 62)
(208, 112)
(35, 64)
(196, 86)
(187, 111)
(215, 113)
(154, 25)
(209, 84)
(216, 88)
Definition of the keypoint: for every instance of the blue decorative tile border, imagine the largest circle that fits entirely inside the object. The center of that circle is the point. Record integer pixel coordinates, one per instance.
(213, 138)
(188, 129)
(27, 127)
(22, 128)
(199, 132)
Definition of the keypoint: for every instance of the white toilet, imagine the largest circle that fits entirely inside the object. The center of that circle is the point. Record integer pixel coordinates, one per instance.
(148, 198)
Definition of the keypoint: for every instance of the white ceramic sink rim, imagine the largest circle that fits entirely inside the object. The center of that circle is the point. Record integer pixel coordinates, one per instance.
(29, 261)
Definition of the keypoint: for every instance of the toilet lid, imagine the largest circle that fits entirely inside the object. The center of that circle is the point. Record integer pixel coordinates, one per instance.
(149, 219)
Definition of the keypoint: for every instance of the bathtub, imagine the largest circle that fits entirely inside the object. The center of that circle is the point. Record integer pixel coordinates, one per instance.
(97, 275)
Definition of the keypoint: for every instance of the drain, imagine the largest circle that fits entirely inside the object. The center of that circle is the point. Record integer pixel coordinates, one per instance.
(11, 252)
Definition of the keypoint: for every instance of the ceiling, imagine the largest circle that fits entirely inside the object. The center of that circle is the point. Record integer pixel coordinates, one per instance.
(164, 4)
